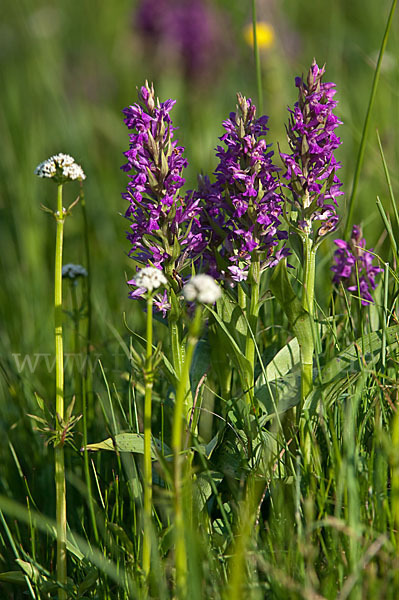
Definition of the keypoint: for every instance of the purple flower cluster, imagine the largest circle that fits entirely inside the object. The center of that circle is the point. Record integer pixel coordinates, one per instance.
(354, 266)
(311, 166)
(243, 205)
(161, 219)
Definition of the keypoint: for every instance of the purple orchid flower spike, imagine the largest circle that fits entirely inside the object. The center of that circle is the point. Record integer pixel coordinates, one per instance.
(311, 166)
(162, 230)
(242, 209)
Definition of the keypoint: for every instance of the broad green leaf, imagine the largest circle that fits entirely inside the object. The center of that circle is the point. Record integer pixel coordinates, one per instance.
(241, 362)
(280, 389)
(232, 315)
(13, 577)
(130, 442)
(280, 395)
(202, 488)
(299, 319)
(285, 360)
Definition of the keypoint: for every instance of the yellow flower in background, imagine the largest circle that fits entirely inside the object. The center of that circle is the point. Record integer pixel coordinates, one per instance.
(264, 34)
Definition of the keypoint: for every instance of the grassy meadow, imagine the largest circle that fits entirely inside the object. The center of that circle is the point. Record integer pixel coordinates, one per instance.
(274, 489)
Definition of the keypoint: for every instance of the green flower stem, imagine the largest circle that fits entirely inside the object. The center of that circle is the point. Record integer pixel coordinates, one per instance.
(254, 285)
(242, 299)
(175, 332)
(60, 485)
(147, 442)
(307, 346)
(87, 372)
(86, 464)
(179, 418)
(307, 349)
(178, 350)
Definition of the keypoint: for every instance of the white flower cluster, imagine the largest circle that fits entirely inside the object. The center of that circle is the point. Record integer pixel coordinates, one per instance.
(202, 288)
(73, 271)
(150, 278)
(61, 168)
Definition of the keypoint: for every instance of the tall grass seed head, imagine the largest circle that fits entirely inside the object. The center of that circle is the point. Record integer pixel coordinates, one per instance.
(61, 168)
(203, 289)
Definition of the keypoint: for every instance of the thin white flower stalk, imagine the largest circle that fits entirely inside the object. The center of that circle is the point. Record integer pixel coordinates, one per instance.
(61, 168)
(150, 279)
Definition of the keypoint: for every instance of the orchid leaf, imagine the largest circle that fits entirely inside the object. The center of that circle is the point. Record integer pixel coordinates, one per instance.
(298, 318)
(241, 362)
(130, 442)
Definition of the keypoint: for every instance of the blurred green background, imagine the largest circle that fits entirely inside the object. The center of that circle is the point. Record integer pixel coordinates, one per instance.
(67, 71)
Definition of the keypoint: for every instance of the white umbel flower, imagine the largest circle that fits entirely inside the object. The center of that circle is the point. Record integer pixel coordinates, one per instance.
(202, 288)
(61, 168)
(71, 271)
(150, 278)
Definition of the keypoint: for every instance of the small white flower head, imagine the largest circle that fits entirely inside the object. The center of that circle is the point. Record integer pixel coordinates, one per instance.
(71, 271)
(61, 168)
(202, 288)
(150, 278)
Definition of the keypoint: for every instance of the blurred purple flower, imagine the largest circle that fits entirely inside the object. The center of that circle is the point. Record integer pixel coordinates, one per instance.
(243, 206)
(189, 34)
(311, 166)
(353, 263)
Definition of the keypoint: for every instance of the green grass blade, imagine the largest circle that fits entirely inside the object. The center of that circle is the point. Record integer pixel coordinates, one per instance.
(362, 147)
